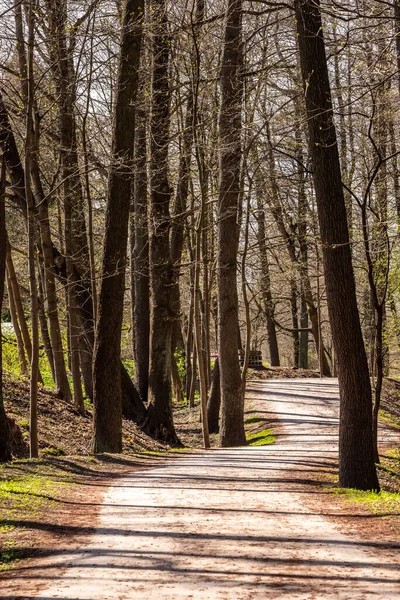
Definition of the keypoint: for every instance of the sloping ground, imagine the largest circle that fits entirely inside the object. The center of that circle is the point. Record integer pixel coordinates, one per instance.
(62, 431)
(239, 524)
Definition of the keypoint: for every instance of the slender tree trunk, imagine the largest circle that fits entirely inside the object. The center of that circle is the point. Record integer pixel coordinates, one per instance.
(246, 301)
(180, 205)
(160, 421)
(232, 398)
(60, 373)
(190, 364)
(29, 150)
(107, 366)
(356, 460)
(303, 243)
(43, 321)
(5, 450)
(303, 359)
(141, 261)
(76, 242)
(197, 333)
(295, 323)
(189, 367)
(265, 278)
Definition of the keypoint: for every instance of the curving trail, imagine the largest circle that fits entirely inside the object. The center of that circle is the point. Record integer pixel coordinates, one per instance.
(229, 524)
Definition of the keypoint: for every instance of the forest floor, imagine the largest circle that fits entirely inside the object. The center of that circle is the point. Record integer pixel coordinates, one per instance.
(255, 522)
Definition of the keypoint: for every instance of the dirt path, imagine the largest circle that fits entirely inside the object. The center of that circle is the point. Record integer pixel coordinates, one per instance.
(228, 524)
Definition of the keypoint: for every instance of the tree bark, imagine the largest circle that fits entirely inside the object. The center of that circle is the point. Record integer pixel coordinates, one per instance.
(356, 461)
(5, 441)
(232, 397)
(214, 400)
(141, 317)
(30, 149)
(107, 368)
(76, 242)
(265, 284)
(160, 420)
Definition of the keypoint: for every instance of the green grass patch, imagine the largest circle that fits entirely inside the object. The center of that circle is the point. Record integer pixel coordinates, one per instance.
(260, 438)
(23, 497)
(27, 493)
(384, 502)
(389, 419)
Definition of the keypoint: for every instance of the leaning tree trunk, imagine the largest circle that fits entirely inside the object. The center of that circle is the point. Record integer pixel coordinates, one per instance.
(107, 367)
(160, 421)
(232, 397)
(356, 461)
(5, 451)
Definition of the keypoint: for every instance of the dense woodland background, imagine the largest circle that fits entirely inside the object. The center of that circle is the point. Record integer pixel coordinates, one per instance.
(183, 180)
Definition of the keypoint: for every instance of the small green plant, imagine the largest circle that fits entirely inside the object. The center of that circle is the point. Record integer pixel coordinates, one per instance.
(384, 502)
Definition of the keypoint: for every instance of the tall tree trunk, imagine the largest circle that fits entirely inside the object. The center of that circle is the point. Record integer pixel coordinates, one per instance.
(60, 374)
(30, 203)
(43, 321)
(356, 461)
(57, 363)
(141, 276)
(265, 284)
(295, 323)
(107, 366)
(182, 190)
(160, 421)
(232, 397)
(76, 242)
(303, 243)
(5, 450)
(303, 358)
